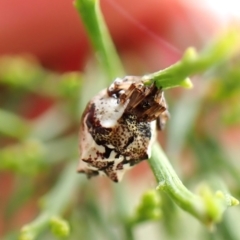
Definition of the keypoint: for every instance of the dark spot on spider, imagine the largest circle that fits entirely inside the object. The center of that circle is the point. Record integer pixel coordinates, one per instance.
(91, 121)
(146, 104)
(119, 166)
(130, 140)
(88, 160)
(103, 131)
(109, 166)
(107, 152)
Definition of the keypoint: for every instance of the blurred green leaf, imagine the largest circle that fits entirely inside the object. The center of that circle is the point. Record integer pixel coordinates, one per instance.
(52, 204)
(59, 227)
(25, 158)
(20, 71)
(149, 207)
(13, 125)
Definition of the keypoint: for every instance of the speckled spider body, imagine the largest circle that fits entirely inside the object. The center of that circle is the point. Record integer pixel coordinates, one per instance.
(119, 126)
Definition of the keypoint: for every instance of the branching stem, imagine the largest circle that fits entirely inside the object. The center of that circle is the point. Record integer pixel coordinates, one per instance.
(207, 207)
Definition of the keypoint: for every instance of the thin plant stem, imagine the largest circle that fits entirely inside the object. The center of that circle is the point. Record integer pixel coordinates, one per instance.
(207, 207)
(100, 39)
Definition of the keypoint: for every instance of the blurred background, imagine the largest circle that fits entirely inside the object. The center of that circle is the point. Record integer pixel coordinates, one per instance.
(48, 73)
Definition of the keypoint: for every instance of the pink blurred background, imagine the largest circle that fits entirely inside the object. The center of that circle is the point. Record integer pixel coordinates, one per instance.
(156, 32)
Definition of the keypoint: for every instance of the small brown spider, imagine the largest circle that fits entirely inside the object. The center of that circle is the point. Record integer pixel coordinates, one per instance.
(119, 126)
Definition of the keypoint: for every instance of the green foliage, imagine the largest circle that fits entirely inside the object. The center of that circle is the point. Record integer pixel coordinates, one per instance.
(53, 204)
(25, 158)
(17, 72)
(13, 125)
(149, 207)
(59, 227)
(25, 73)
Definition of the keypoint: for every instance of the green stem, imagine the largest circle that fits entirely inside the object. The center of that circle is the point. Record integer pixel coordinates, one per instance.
(53, 204)
(193, 63)
(94, 23)
(95, 212)
(129, 232)
(169, 182)
(122, 210)
(207, 207)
